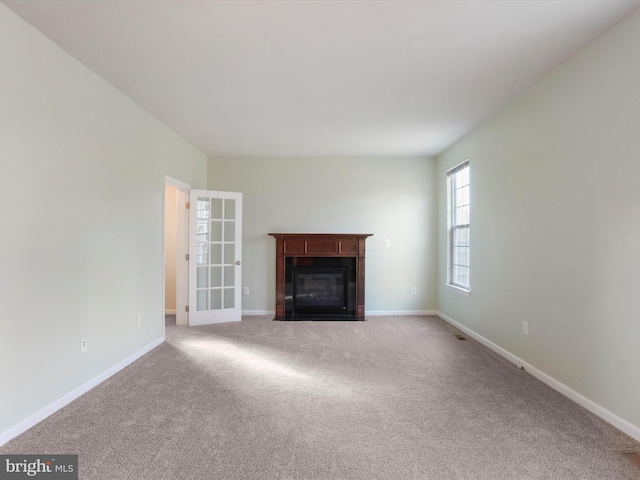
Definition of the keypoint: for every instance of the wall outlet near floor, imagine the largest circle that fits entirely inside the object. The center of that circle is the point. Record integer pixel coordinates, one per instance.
(525, 328)
(139, 319)
(414, 291)
(245, 291)
(83, 345)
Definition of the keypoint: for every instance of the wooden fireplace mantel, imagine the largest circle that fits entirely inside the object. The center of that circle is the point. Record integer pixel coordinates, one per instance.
(319, 245)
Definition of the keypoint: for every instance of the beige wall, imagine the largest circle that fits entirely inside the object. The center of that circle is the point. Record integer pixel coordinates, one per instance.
(170, 237)
(82, 244)
(556, 225)
(392, 198)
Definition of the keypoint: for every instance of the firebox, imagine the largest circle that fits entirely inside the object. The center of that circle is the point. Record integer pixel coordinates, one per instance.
(319, 291)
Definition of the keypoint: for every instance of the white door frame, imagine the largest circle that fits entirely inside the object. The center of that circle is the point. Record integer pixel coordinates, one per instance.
(182, 245)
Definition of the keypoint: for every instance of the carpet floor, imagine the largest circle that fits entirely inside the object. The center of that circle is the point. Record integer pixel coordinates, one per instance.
(389, 398)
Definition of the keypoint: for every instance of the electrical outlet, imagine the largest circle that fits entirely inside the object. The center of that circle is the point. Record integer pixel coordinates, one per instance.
(414, 291)
(83, 345)
(387, 242)
(525, 328)
(245, 291)
(139, 320)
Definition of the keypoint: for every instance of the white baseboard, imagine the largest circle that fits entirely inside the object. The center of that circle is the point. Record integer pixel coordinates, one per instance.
(169, 311)
(77, 392)
(383, 313)
(608, 416)
(485, 341)
(258, 312)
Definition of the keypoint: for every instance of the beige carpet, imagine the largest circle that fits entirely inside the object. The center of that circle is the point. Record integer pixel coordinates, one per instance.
(390, 398)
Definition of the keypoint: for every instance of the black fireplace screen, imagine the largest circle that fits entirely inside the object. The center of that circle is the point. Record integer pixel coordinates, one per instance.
(320, 290)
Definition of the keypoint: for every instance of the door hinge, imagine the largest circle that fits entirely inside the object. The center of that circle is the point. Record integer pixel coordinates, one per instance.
(187, 205)
(186, 308)
(186, 257)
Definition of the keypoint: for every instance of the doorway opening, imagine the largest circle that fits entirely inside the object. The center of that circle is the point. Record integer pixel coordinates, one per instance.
(176, 272)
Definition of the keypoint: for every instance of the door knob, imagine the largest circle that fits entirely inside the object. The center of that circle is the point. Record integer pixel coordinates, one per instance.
(237, 262)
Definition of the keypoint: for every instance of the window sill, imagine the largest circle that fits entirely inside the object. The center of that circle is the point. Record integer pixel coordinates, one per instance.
(460, 290)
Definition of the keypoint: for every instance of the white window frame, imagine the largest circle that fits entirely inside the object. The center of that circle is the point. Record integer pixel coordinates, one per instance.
(458, 227)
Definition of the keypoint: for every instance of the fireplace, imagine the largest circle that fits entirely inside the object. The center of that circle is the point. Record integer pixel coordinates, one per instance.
(320, 276)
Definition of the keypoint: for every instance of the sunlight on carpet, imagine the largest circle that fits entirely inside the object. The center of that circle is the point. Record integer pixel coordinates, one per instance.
(233, 353)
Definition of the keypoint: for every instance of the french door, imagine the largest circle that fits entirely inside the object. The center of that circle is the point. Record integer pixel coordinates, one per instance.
(215, 255)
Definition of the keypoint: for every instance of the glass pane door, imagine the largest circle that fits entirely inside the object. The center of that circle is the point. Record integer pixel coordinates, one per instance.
(217, 221)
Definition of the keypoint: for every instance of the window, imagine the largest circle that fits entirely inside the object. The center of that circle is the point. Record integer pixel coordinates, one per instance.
(458, 203)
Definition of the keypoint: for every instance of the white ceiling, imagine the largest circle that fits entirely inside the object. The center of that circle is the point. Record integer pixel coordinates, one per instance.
(322, 78)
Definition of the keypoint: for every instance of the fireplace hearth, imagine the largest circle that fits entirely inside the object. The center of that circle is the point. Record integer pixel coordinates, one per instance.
(320, 276)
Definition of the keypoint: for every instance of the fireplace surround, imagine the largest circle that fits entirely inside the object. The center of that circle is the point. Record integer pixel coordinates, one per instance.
(320, 276)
